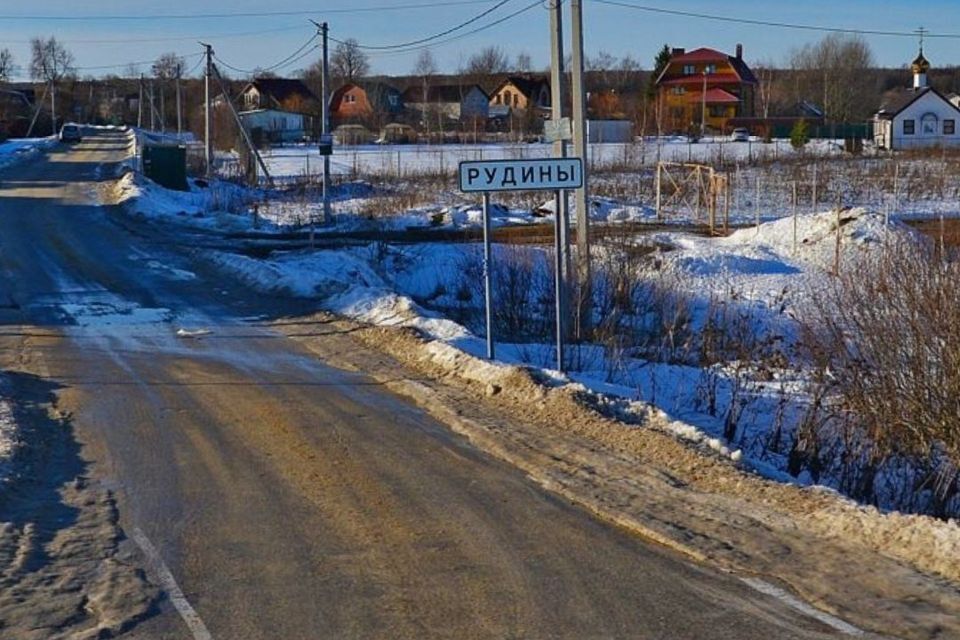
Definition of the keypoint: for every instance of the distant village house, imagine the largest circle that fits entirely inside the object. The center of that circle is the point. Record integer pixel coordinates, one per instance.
(705, 87)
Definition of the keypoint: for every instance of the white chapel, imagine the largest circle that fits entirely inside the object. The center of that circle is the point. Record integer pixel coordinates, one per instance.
(919, 116)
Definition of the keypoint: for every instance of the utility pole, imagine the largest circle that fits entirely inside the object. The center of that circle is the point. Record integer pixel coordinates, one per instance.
(140, 105)
(53, 101)
(703, 107)
(208, 111)
(163, 107)
(153, 107)
(179, 110)
(325, 124)
(585, 297)
(562, 201)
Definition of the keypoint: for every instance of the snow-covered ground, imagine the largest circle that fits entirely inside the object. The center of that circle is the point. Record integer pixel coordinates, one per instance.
(19, 149)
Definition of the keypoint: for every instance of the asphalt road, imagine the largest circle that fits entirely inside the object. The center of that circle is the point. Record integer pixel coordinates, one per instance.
(292, 500)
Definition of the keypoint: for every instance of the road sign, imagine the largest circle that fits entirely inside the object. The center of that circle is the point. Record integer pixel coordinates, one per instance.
(326, 144)
(556, 130)
(548, 174)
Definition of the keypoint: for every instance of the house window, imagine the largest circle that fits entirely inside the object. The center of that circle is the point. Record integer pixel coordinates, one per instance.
(717, 111)
(507, 98)
(909, 127)
(689, 69)
(392, 99)
(929, 125)
(949, 127)
(496, 99)
(350, 98)
(710, 68)
(678, 91)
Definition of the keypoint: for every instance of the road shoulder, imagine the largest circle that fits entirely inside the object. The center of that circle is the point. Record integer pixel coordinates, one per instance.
(855, 563)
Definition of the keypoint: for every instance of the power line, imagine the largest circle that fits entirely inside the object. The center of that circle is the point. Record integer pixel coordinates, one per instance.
(236, 34)
(435, 36)
(460, 36)
(769, 23)
(247, 14)
(273, 66)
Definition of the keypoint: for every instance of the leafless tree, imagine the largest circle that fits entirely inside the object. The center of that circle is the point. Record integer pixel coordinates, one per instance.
(50, 61)
(524, 63)
(834, 71)
(8, 66)
(767, 76)
(425, 67)
(426, 64)
(488, 61)
(349, 62)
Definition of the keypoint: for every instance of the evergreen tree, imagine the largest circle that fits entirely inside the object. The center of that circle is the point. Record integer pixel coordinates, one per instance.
(659, 64)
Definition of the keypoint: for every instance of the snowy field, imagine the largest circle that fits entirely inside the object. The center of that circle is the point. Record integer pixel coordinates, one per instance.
(410, 160)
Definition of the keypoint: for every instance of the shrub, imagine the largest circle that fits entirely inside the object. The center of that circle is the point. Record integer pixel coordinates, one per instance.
(887, 334)
(799, 134)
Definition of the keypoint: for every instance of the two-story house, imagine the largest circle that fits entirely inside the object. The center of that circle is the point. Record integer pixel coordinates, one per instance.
(702, 89)
(520, 93)
(369, 103)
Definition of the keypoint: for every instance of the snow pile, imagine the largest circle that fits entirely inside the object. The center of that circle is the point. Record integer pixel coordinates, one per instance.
(211, 207)
(18, 150)
(9, 438)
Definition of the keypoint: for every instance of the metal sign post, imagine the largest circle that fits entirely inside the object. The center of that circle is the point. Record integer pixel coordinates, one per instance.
(554, 174)
(487, 274)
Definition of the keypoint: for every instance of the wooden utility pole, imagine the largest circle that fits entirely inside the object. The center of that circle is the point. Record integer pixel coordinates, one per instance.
(585, 297)
(140, 105)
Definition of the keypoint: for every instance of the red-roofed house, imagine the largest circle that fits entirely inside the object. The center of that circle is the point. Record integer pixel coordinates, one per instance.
(729, 84)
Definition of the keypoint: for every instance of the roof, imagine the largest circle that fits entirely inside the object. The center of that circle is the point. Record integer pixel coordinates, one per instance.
(282, 88)
(899, 99)
(441, 93)
(528, 85)
(705, 54)
(715, 96)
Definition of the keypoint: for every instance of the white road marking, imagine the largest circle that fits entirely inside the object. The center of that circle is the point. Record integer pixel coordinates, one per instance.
(776, 592)
(169, 584)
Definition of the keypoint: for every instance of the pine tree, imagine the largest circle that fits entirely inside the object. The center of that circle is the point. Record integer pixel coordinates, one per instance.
(659, 64)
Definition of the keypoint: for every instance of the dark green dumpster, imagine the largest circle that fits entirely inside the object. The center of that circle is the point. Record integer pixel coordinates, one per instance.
(166, 165)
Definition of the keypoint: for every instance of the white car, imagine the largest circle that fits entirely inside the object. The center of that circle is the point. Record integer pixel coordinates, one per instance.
(740, 134)
(70, 133)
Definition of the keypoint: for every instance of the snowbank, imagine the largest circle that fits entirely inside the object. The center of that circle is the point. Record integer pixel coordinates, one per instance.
(18, 150)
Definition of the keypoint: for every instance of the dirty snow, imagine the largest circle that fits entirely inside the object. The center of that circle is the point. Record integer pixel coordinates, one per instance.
(20, 149)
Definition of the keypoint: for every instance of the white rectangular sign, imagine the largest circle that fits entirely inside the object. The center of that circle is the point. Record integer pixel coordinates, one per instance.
(547, 174)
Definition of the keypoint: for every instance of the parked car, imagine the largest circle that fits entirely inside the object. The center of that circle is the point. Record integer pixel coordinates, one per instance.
(70, 133)
(740, 134)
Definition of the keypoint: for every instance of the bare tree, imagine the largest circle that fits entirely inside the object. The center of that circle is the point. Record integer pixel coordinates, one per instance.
(488, 61)
(8, 66)
(426, 64)
(167, 67)
(766, 73)
(50, 61)
(349, 62)
(425, 67)
(524, 63)
(834, 72)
